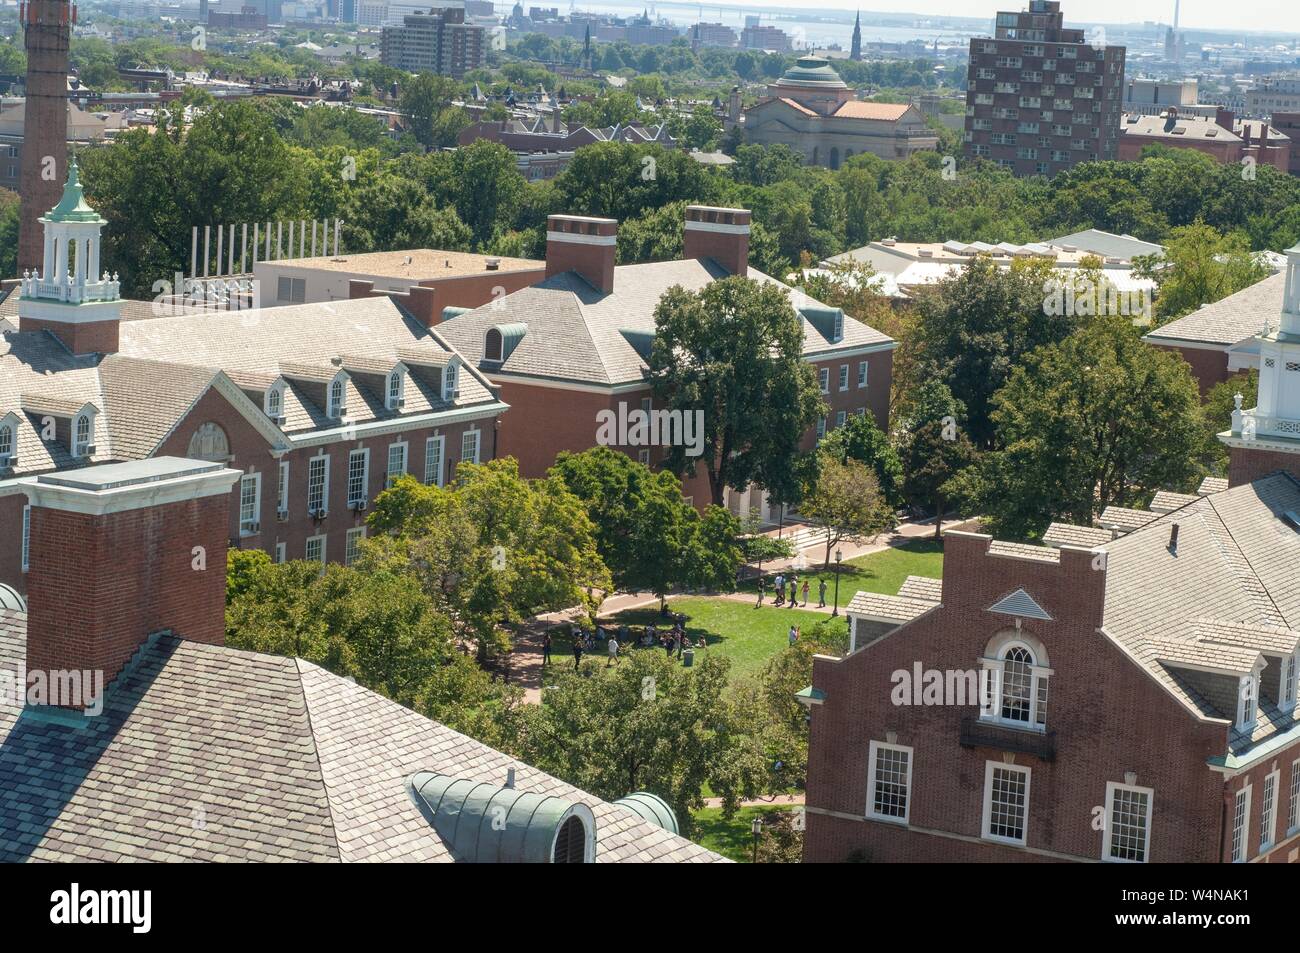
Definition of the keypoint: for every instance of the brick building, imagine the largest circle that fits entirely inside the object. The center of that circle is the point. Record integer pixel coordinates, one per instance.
(1224, 137)
(439, 41)
(577, 343)
(129, 732)
(1042, 98)
(47, 32)
(318, 405)
(1126, 693)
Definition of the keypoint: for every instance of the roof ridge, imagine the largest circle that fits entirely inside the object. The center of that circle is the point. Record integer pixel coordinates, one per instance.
(1255, 587)
(315, 753)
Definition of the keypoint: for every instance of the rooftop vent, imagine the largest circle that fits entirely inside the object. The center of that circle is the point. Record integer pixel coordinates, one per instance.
(1173, 539)
(493, 264)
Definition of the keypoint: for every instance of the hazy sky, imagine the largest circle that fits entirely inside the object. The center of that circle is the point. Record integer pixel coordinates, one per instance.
(1283, 15)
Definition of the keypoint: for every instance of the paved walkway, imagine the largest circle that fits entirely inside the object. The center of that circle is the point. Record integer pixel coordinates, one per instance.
(770, 801)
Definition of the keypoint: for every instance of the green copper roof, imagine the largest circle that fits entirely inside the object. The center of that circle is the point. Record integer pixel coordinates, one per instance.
(812, 71)
(72, 207)
(651, 808)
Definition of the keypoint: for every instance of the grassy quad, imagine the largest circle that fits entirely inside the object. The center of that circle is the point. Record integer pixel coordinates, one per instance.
(880, 572)
(732, 839)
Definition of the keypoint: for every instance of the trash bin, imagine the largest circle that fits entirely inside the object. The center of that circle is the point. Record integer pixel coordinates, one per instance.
(688, 658)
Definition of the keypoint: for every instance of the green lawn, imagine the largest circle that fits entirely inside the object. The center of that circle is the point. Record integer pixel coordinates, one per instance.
(732, 839)
(876, 572)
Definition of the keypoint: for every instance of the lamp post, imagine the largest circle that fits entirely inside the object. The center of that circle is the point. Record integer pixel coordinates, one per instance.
(839, 554)
(756, 828)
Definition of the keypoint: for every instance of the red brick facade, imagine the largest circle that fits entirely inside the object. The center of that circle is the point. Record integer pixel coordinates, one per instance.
(98, 337)
(1098, 696)
(1246, 465)
(107, 581)
(1209, 366)
(426, 301)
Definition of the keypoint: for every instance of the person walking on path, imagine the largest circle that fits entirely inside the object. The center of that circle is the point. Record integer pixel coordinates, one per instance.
(613, 652)
(546, 648)
(821, 593)
(805, 593)
(577, 653)
(780, 589)
(760, 593)
(794, 592)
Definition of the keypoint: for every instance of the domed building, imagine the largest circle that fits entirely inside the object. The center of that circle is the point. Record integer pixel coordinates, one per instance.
(812, 110)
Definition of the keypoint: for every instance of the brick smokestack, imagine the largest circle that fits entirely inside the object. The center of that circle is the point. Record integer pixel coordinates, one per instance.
(120, 552)
(718, 233)
(585, 245)
(47, 28)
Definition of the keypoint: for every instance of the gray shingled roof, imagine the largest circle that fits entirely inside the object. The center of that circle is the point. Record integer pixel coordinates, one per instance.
(1228, 321)
(1166, 501)
(1067, 534)
(1212, 485)
(208, 753)
(891, 608)
(1123, 519)
(922, 587)
(1233, 580)
(577, 333)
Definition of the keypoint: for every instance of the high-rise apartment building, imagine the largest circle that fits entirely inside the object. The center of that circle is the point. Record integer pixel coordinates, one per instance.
(437, 42)
(1042, 98)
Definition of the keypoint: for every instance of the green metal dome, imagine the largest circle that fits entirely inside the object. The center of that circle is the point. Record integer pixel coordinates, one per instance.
(486, 824)
(72, 207)
(651, 808)
(812, 71)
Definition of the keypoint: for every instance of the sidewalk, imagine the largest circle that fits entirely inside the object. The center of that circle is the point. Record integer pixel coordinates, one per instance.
(770, 801)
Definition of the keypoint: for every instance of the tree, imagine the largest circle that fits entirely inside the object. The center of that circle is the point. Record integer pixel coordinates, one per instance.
(860, 439)
(1100, 419)
(648, 724)
(1216, 415)
(845, 503)
(1199, 266)
(422, 100)
(733, 352)
(933, 454)
(9, 220)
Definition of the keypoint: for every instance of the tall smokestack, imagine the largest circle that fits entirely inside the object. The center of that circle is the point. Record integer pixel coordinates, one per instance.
(47, 30)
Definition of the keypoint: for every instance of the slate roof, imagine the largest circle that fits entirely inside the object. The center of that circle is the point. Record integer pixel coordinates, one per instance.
(1166, 501)
(922, 587)
(1228, 321)
(1124, 519)
(166, 363)
(1212, 485)
(1067, 534)
(893, 608)
(212, 754)
(577, 333)
(1231, 587)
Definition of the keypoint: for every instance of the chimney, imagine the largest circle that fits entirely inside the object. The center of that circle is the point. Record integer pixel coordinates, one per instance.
(1173, 539)
(1224, 118)
(582, 244)
(118, 553)
(718, 233)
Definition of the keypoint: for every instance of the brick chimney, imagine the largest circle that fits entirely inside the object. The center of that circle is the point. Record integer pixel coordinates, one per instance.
(718, 233)
(120, 552)
(582, 244)
(1224, 118)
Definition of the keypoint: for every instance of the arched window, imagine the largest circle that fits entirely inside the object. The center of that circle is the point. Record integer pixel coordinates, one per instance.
(394, 388)
(275, 403)
(492, 345)
(336, 398)
(571, 842)
(1015, 689)
(7, 440)
(449, 388)
(81, 436)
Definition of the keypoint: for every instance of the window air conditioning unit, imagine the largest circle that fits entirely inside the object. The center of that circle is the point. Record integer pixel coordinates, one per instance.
(319, 514)
(359, 506)
(401, 402)
(251, 528)
(89, 450)
(282, 516)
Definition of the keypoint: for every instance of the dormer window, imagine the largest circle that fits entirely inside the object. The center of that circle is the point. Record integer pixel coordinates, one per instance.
(8, 441)
(395, 389)
(450, 387)
(1248, 702)
(337, 407)
(492, 346)
(275, 403)
(1290, 678)
(81, 431)
(839, 325)
(1014, 688)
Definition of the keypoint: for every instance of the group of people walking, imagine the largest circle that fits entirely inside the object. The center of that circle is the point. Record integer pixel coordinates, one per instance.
(673, 640)
(786, 591)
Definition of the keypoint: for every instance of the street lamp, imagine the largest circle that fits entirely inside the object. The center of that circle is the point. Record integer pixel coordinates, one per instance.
(839, 554)
(756, 828)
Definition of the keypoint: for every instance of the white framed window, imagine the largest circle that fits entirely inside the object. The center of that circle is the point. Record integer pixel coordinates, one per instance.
(396, 389)
(337, 404)
(352, 549)
(860, 412)
(282, 489)
(250, 503)
(1241, 825)
(433, 456)
(824, 377)
(838, 331)
(821, 427)
(451, 382)
(81, 435)
(1006, 802)
(26, 540)
(862, 373)
(844, 377)
(1290, 675)
(358, 477)
(318, 483)
(1014, 691)
(315, 552)
(647, 403)
(8, 440)
(1268, 816)
(1293, 817)
(293, 290)
(643, 457)
(1127, 835)
(396, 462)
(469, 446)
(1248, 702)
(275, 403)
(889, 782)
(841, 417)
(281, 552)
